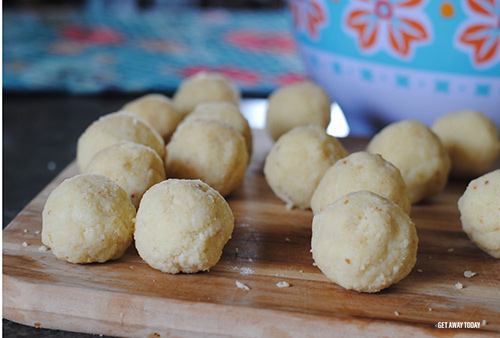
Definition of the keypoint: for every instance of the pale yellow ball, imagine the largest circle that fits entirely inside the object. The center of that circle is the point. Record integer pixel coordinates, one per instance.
(471, 139)
(205, 87)
(114, 128)
(134, 167)
(364, 242)
(480, 212)
(298, 161)
(88, 218)
(361, 171)
(182, 226)
(157, 110)
(298, 104)
(418, 154)
(226, 112)
(209, 150)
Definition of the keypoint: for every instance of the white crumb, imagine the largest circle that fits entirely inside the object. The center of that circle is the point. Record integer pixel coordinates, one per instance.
(42, 248)
(25, 230)
(132, 267)
(24, 244)
(301, 271)
(246, 271)
(469, 274)
(420, 270)
(242, 286)
(314, 264)
(154, 280)
(289, 206)
(37, 232)
(459, 286)
(396, 313)
(450, 250)
(236, 250)
(282, 284)
(430, 309)
(244, 224)
(483, 322)
(287, 239)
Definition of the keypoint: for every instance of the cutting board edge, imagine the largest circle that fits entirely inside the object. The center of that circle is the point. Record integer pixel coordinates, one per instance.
(116, 314)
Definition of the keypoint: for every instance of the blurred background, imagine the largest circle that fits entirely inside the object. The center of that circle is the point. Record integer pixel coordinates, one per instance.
(126, 46)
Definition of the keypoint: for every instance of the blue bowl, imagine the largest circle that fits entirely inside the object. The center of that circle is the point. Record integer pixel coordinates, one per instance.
(388, 60)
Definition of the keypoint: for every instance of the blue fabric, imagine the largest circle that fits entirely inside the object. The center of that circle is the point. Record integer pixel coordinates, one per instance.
(93, 50)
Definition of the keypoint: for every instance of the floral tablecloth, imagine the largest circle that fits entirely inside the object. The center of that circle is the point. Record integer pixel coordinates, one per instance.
(92, 50)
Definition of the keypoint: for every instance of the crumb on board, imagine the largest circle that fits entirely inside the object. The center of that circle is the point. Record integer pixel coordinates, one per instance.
(289, 206)
(42, 248)
(301, 271)
(242, 286)
(420, 270)
(25, 230)
(287, 239)
(396, 313)
(469, 274)
(244, 270)
(483, 323)
(37, 232)
(283, 284)
(451, 250)
(132, 267)
(430, 309)
(24, 244)
(459, 286)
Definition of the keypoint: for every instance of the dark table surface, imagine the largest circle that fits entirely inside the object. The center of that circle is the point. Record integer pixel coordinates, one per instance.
(39, 140)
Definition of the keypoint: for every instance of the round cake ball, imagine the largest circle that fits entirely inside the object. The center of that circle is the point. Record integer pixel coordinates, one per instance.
(364, 242)
(471, 139)
(114, 128)
(298, 104)
(134, 167)
(182, 226)
(226, 112)
(361, 171)
(480, 212)
(157, 110)
(298, 161)
(419, 155)
(88, 218)
(204, 87)
(209, 150)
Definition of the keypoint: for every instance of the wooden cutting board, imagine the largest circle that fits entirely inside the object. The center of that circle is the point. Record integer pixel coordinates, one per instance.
(269, 245)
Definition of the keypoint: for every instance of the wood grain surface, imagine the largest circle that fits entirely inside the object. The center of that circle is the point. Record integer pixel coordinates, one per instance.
(269, 244)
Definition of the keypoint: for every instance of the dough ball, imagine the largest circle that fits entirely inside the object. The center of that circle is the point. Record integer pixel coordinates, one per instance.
(480, 212)
(298, 104)
(418, 153)
(88, 218)
(226, 112)
(182, 226)
(361, 171)
(205, 87)
(471, 139)
(134, 167)
(364, 242)
(157, 110)
(209, 150)
(114, 128)
(298, 161)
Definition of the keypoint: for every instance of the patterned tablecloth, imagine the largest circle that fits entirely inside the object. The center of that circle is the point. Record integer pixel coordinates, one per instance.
(95, 49)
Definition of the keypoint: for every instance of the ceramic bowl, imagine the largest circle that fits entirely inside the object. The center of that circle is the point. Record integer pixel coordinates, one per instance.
(388, 60)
